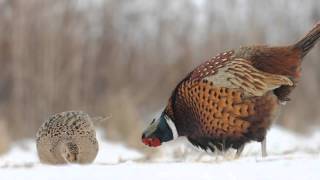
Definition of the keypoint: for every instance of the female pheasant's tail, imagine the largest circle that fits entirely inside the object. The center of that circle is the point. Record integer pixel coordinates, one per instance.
(305, 44)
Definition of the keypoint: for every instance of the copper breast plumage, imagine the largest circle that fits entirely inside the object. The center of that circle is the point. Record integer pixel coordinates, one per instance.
(226, 102)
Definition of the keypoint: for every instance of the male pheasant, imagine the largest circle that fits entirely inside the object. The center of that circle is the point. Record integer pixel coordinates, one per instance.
(232, 98)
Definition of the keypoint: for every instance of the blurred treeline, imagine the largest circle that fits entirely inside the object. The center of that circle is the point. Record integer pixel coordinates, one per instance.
(122, 58)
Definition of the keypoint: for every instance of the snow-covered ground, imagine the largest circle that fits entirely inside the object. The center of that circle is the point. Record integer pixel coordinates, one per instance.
(290, 157)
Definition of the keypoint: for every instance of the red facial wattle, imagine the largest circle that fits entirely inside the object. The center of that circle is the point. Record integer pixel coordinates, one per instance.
(152, 142)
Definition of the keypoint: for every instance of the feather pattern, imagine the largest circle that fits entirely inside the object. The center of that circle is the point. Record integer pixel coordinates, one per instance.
(216, 105)
(234, 97)
(228, 71)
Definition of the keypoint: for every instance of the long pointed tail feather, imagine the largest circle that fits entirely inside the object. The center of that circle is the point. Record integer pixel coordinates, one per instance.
(308, 41)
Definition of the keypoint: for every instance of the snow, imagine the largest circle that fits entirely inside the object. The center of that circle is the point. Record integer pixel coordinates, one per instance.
(291, 156)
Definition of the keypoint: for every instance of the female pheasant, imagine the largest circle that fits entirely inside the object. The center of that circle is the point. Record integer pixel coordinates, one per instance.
(67, 137)
(232, 98)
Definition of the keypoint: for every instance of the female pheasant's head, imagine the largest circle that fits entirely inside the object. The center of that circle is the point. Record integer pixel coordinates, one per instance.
(70, 152)
(160, 130)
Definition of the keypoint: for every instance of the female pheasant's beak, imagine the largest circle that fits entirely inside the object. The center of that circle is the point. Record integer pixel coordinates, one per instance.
(159, 131)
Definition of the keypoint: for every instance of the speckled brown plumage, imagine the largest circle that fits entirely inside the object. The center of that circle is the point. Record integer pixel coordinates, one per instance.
(234, 97)
(67, 137)
(219, 115)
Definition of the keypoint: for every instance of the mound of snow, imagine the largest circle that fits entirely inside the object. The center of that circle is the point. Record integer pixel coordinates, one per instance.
(290, 157)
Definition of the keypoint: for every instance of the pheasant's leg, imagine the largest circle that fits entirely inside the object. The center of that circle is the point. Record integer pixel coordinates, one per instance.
(264, 147)
(239, 151)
